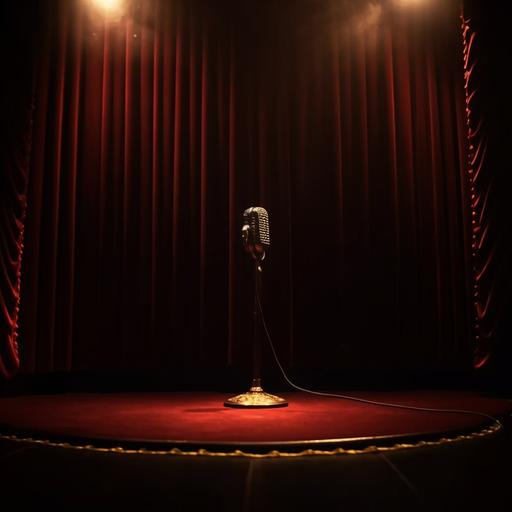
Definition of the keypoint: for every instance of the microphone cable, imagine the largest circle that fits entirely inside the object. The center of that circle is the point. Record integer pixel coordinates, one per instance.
(364, 400)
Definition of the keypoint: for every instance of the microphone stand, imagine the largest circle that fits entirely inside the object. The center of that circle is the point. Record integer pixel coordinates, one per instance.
(256, 397)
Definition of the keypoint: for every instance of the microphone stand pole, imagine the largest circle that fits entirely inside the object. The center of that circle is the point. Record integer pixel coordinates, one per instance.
(256, 397)
(256, 345)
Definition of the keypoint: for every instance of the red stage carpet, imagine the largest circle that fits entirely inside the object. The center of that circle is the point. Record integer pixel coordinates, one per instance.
(142, 451)
(200, 418)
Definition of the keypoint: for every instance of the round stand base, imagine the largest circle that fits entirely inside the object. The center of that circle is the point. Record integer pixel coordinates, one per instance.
(255, 398)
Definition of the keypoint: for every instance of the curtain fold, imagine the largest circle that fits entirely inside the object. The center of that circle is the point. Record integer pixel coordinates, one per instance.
(489, 278)
(12, 216)
(16, 106)
(153, 133)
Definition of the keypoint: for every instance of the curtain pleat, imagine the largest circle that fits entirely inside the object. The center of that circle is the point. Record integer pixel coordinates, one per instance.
(489, 279)
(16, 105)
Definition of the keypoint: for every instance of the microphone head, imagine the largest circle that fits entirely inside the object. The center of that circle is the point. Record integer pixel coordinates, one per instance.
(256, 230)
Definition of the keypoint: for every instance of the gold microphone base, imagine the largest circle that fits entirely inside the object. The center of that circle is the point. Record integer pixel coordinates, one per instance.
(255, 398)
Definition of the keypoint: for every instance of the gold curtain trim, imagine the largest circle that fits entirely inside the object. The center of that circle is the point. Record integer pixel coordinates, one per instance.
(484, 432)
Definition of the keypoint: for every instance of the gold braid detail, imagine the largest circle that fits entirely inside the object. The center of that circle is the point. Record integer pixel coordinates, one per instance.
(484, 432)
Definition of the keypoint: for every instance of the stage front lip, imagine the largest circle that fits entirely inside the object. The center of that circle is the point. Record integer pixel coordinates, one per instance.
(16, 422)
(359, 444)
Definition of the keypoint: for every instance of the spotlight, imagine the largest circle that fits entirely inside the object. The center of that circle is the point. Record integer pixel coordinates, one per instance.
(108, 6)
(407, 3)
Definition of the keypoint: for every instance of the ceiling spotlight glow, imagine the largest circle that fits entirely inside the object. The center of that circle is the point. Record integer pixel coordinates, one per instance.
(407, 3)
(109, 6)
(369, 19)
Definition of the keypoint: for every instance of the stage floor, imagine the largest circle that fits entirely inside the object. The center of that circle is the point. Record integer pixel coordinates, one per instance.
(189, 421)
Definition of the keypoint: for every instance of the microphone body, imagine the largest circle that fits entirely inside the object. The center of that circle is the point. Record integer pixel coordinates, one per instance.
(255, 231)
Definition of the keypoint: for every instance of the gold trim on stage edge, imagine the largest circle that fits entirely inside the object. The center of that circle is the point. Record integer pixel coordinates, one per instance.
(255, 398)
(484, 432)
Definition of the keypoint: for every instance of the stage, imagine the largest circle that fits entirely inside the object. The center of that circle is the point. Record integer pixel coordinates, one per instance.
(185, 450)
(200, 421)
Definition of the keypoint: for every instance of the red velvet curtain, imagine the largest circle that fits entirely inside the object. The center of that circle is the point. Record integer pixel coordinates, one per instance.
(153, 132)
(15, 144)
(13, 182)
(489, 134)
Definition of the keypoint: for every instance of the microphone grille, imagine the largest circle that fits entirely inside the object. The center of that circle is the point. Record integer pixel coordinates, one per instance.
(263, 228)
(257, 218)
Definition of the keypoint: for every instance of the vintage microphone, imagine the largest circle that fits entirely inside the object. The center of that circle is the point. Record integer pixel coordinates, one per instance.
(256, 238)
(255, 232)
